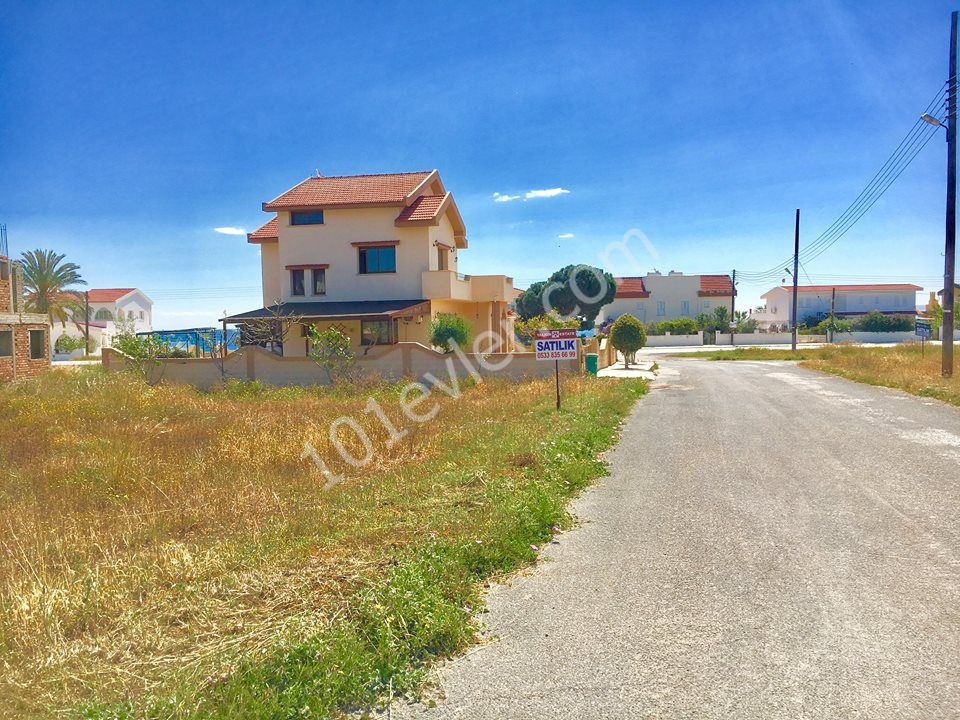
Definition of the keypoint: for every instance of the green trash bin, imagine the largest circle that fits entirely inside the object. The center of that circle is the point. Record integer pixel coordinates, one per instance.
(592, 363)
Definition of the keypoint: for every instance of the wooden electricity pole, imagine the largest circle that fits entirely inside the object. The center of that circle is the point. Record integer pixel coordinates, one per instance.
(949, 262)
(733, 305)
(796, 275)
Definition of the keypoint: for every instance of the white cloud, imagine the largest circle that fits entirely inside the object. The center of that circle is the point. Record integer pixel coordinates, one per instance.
(565, 236)
(230, 230)
(552, 192)
(497, 197)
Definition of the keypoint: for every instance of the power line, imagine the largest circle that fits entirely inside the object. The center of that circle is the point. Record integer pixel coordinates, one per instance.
(913, 142)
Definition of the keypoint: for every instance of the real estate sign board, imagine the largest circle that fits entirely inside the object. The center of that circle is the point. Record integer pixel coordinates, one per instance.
(924, 328)
(557, 344)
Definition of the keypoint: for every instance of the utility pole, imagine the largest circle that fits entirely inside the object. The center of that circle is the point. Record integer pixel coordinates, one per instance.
(733, 305)
(949, 254)
(833, 311)
(86, 321)
(796, 275)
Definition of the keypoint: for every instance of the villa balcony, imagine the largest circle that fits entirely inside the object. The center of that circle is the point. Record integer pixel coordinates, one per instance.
(450, 285)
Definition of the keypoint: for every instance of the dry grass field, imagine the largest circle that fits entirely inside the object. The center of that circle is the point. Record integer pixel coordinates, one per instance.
(902, 367)
(170, 553)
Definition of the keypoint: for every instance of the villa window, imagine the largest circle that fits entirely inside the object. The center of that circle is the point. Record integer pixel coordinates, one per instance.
(103, 314)
(296, 282)
(684, 307)
(373, 332)
(661, 308)
(381, 259)
(306, 218)
(4, 270)
(38, 344)
(442, 258)
(706, 304)
(319, 277)
(6, 343)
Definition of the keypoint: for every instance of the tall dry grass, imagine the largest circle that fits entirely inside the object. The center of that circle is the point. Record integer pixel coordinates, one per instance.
(158, 533)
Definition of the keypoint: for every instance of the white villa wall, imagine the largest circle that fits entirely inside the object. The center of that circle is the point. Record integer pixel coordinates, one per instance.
(674, 340)
(768, 339)
(330, 243)
(779, 306)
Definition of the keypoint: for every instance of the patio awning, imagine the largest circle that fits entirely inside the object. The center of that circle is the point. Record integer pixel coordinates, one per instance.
(343, 310)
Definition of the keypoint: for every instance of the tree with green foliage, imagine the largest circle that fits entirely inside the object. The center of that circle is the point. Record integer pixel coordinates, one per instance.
(449, 329)
(47, 281)
(628, 335)
(332, 351)
(574, 290)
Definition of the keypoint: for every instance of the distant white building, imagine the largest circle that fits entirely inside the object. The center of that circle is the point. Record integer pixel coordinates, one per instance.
(852, 300)
(655, 297)
(107, 307)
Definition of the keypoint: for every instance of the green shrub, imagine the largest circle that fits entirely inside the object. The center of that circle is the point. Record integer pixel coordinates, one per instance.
(448, 329)
(66, 344)
(628, 335)
(876, 321)
(677, 326)
(331, 350)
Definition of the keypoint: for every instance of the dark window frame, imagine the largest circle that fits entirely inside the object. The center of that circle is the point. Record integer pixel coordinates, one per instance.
(295, 275)
(9, 335)
(314, 217)
(386, 332)
(377, 252)
(41, 353)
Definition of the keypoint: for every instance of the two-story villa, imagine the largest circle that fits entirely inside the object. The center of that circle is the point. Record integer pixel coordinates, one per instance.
(375, 256)
(847, 300)
(24, 337)
(656, 297)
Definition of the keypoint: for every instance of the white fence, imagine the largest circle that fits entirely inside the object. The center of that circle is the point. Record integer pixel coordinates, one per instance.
(674, 340)
(767, 338)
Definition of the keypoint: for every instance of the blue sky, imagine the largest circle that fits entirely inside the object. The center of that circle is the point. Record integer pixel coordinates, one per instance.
(129, 131)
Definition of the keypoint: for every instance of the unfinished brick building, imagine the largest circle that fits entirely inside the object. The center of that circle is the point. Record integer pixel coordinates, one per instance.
(24, 337)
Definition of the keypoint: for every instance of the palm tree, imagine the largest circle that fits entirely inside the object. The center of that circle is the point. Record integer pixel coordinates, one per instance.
(46, 281)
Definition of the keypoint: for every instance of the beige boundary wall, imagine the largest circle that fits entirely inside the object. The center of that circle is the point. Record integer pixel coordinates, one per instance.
(391, 362)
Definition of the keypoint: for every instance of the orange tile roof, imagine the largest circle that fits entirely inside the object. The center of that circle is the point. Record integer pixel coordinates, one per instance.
(424, 207)
(385, 189)
(893, 287)
(108, 294)
(715, 285)
(265, 233)
(631, 287)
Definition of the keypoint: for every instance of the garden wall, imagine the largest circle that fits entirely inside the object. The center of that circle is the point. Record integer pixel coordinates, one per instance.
(674, 340)
(768, 339)
(388, 361)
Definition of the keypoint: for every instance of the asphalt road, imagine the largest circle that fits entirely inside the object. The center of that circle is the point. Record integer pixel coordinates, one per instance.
(771, 543)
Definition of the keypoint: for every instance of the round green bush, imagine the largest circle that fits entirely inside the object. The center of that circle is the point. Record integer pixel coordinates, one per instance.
(628, 335)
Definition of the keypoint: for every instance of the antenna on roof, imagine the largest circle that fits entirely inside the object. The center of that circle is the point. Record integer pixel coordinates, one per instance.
(317, 171)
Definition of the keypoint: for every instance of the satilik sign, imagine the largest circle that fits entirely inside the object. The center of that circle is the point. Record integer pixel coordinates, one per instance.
(557, 345)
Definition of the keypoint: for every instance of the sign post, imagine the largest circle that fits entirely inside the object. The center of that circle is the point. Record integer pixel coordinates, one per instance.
(925, 330)
(557, 345)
